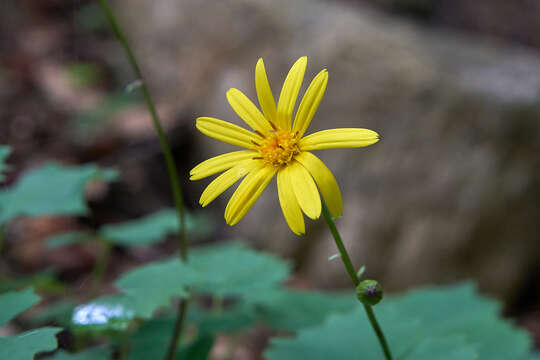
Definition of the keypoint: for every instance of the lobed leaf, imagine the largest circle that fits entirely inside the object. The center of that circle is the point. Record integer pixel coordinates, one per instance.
(439, 322)
(24, 346)
(51, 189)
(286, 309)
(233, 269)
(13, 303)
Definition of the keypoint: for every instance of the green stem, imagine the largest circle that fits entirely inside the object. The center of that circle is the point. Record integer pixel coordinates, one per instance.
(101, 265)
(352, 273)
(171, 168)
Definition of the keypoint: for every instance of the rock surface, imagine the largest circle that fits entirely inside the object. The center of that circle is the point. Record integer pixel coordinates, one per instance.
(452, 190)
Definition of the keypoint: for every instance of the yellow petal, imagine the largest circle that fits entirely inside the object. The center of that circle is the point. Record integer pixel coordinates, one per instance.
(247, 111)
(310, 102)
(226, 180)
(305, 190)
(289, 204)
(227, 132)
(289, 93)
(264, 93)
(325, 181)
(247, 193)
(219, 163)
(339, 138)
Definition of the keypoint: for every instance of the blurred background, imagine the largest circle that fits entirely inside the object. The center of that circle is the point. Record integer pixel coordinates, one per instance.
(452, 192)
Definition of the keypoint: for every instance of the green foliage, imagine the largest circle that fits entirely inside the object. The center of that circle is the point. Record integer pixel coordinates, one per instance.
(286, 309)
(96, 353)
(152, 339)
(233, 269)
(443, 323)
(44, 281)
(51, 189)
(146, 230)
(24, 346)
(152, 228)
(143, 291)
(14, 303)
(4, 154)
(235, 318)
(218, 270)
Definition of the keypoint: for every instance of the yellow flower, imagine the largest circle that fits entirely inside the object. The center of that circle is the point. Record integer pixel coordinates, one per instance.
(277, 145)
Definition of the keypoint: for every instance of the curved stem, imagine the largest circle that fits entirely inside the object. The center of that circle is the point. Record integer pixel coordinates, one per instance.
(352, 273)
(169, 160)
(171, 168)
(101, 264)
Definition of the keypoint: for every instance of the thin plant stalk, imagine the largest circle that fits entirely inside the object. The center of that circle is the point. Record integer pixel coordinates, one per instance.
(101, 264)
(352, 273)
(171, 168)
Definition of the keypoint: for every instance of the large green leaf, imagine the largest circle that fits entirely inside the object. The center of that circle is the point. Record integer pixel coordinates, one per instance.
(442, 323)
(96, 353)
(292, 310)
(4, 153)
(224, 270)
(143, 291)
(152, 228)
(24, 346)
(13, 303)
(142, 231)
(233, 269)
(51, 189)
(233, 319)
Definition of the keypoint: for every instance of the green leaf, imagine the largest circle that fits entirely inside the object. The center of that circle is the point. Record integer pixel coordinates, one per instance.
(292, 310)
(24, 346)
(45, 281)
(143, 231)
(153, 285)
(151, 341)
(234, 319)
(230, 269)
(58, 313)
(14, 303)
(143, 291)
(51, 189)
(4, 154)
(439, 322)
(152, 228)
(233, 269)
(67, 238)
(96, 353)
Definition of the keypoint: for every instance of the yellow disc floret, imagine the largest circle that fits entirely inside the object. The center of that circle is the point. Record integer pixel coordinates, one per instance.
(278, 147)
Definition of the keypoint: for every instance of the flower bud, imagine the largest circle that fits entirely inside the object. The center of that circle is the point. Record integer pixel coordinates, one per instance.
(369, 292)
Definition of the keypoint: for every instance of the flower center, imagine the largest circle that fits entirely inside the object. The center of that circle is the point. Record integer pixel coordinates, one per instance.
(279, 147)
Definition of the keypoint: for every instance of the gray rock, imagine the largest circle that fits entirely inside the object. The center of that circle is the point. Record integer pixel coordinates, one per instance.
(451, 191)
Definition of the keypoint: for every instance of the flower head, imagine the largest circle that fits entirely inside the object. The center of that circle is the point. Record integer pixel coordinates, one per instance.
(277, 145)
